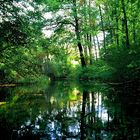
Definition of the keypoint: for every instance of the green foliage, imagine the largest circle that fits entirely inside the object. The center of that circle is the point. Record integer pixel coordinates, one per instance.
(33, 79)
(77, 26)
(58, 69)
(100, 70)
(12, 33)
(124, 62)
(20, 37)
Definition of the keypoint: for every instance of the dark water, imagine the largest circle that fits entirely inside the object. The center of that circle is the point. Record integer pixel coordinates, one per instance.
(70, 111)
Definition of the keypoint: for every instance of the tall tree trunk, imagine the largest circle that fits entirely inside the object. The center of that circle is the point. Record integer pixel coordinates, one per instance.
(117, 23)
(102, 25)
(83, 63)
(134, 32)
(125, 24)
(95, 49)
(90, 48)
(117, 35)
(133, 16)
(110, 30)
(85, 48)
(90, 36)
(98, 44)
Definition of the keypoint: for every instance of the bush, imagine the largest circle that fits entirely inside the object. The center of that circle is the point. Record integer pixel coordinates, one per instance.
(124, 62)
(100, 70)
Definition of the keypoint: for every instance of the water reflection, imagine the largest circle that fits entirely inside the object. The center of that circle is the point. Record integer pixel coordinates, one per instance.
(71, 111)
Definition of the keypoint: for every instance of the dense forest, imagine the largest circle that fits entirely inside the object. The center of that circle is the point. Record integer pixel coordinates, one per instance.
(69, 39)
(69, 69)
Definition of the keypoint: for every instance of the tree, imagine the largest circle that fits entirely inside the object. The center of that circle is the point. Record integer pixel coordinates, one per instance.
(20, 35)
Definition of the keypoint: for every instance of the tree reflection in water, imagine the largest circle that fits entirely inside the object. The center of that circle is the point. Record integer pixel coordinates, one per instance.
(66, 110)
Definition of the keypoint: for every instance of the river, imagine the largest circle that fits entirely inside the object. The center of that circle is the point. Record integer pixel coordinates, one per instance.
(70, 111)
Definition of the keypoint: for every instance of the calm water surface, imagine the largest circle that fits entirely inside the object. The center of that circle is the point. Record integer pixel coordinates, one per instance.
(70, 111)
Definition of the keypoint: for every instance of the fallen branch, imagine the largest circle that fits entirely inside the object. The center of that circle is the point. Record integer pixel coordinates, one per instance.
(7, 85)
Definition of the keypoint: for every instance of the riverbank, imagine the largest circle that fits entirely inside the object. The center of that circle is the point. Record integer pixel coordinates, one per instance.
(25, 81)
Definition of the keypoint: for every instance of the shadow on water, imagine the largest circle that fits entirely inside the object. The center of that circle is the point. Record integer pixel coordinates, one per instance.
(70, 111)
